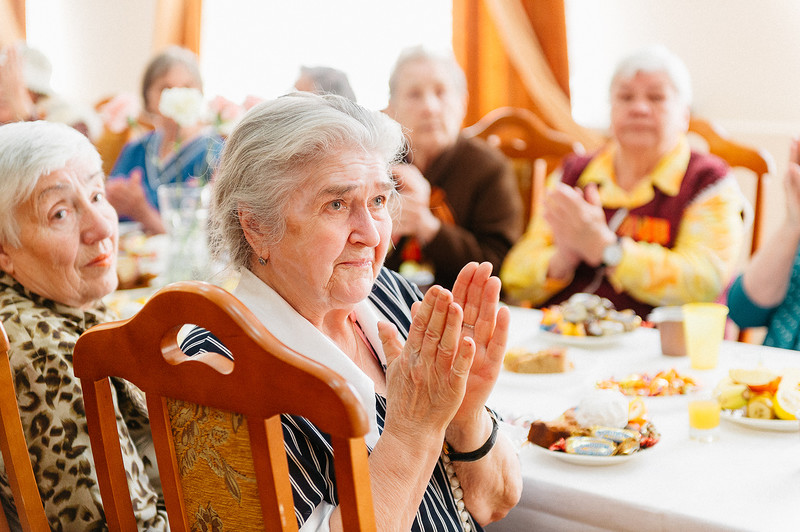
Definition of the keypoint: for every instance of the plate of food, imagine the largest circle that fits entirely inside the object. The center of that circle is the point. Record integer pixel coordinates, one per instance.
(665, 383)
(587, 320)
(777, 425)
(761, 398)
(587, 460)
(580, 341)
(604, 429)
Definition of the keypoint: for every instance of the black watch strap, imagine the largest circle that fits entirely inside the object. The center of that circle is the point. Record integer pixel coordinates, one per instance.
(479, 453)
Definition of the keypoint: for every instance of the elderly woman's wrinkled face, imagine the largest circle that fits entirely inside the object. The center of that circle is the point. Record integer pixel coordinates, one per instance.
(427, 102)
(337, 235)
(68, 235)
(646, 112)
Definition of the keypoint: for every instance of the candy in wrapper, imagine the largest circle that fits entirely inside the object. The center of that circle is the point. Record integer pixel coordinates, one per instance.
(629, 446)
(589, 446)
(614, 434)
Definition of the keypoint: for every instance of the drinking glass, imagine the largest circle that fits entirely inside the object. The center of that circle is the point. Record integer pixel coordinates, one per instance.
(703, 416)
(703, 328)
(184, 209)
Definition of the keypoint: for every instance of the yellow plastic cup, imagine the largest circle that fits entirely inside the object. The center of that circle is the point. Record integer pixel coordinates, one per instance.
(704, 329)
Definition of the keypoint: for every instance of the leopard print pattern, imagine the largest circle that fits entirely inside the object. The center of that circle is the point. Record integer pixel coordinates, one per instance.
(42, 335)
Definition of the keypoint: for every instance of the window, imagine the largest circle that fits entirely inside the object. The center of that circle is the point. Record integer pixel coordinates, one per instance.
(258, 47)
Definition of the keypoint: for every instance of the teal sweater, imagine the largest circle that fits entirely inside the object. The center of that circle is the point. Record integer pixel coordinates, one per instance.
(782, 321)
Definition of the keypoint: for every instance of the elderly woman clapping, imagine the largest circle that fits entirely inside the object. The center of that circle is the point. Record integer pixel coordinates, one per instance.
(645, 221)
(302, 205)
(58, 245)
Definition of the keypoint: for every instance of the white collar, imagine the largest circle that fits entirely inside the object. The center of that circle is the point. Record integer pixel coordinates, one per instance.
(297, 333)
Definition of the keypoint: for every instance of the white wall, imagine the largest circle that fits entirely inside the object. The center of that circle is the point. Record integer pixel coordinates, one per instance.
(361, 37)
(97, 47)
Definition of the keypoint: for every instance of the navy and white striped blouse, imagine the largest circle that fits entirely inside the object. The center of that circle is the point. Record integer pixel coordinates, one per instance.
(309, 450)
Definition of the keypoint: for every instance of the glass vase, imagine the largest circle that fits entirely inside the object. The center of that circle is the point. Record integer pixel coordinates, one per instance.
(184, 210)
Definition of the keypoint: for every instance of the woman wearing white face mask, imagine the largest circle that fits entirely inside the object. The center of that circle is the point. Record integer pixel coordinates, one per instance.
(58, 249)
(645, 221)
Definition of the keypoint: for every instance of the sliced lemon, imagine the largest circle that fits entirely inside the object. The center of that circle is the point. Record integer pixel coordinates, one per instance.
(787, 398)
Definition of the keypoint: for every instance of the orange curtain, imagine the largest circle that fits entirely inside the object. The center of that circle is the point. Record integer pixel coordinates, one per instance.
(12, 21)
(178, 22)
(514, 53)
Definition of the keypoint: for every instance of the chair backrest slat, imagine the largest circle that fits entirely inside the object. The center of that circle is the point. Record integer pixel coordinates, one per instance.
(15, 451)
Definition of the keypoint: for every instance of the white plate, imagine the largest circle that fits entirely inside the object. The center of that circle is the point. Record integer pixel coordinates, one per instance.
(582, 341)
(778, 425)
(587, 460)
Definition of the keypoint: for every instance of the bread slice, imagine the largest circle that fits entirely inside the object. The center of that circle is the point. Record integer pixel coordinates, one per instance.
(549, 360)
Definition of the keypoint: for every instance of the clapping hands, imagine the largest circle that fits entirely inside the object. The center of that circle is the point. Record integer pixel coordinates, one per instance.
(445, 371)
(578, 223)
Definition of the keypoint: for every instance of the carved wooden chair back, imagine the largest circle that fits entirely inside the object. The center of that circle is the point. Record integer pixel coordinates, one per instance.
(524, 138)
(759, 163)
(215, 422)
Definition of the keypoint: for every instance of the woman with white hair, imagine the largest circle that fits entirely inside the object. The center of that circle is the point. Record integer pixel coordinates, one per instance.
(645, 221)
(58, 248)
(302, 207)
(460, 200)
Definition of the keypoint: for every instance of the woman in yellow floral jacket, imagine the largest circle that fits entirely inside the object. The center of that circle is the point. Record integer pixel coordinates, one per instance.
(645, 221)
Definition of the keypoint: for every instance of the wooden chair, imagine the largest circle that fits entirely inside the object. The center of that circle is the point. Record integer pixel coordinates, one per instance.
(758, 163)
(245, 396)
(15, 452)
(524, 138)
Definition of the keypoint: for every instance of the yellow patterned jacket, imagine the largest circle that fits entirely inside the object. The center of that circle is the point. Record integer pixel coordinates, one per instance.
(670, 255)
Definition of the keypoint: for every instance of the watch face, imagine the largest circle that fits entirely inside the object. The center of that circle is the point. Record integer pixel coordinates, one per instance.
(612, 254)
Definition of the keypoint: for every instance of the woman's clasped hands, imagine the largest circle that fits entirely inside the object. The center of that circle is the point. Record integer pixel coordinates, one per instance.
(440, 379)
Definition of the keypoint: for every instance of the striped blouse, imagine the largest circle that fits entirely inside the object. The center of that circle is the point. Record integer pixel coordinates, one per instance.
(309, 450)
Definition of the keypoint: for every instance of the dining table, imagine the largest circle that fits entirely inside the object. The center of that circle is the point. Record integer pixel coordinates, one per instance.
(747, 479)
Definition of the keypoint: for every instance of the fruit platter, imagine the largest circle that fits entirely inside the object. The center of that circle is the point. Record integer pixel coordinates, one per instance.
(588, 316)
(761, 398)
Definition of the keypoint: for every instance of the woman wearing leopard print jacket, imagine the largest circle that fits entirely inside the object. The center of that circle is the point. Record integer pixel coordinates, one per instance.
(58, 247)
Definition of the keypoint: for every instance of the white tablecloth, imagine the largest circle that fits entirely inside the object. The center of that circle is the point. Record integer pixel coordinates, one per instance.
(746, 480)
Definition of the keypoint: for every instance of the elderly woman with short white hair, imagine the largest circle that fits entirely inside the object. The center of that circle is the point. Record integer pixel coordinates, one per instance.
(58, 246)
(645, 221)
(302, 206)
(460, 199)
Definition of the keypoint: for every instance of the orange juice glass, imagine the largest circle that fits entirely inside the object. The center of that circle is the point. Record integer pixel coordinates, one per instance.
(703, 418)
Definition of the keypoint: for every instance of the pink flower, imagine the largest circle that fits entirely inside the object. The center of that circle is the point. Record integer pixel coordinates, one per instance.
(224, 109)
(224, 114)
(251, 101)
(120, 112)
